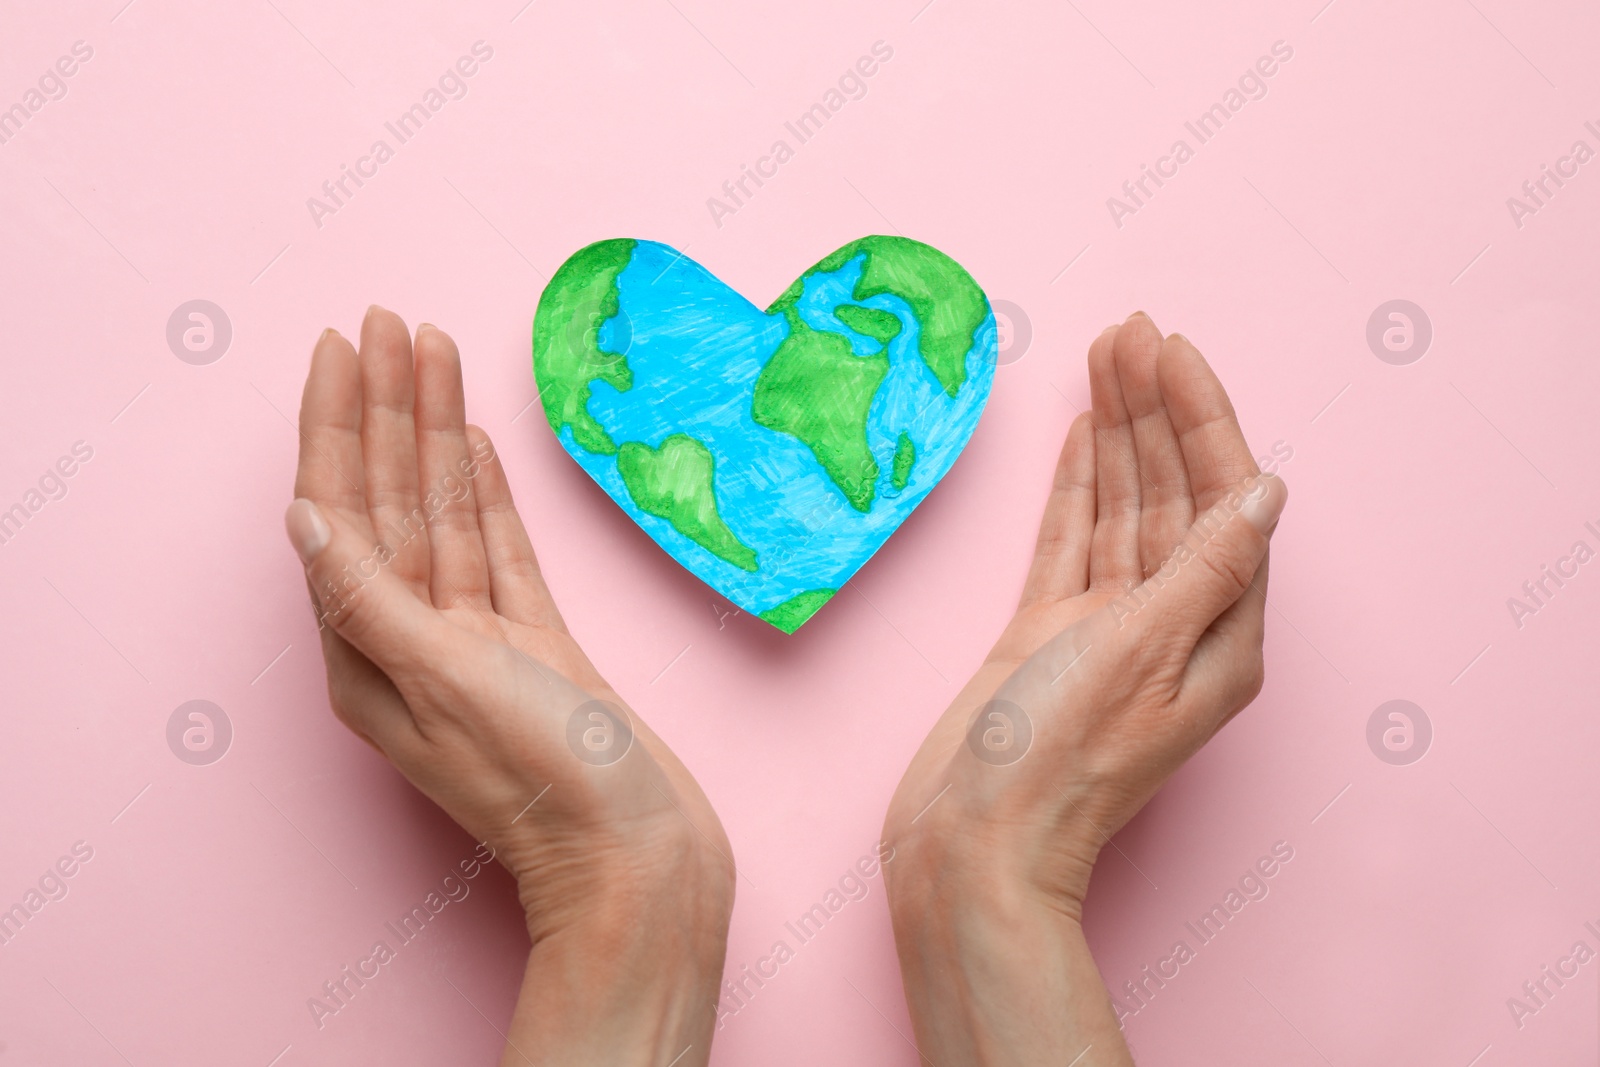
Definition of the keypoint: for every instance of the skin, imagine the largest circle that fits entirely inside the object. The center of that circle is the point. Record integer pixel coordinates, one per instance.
(1122, 664)
(1138, 636)
(446, 653)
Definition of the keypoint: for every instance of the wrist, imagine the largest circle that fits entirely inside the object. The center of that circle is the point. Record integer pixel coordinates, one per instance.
(980, 847)
(629, 940)
(638, 999)
(1000, 974)
(602, 878)
(965, 896)
(630, 978)
(997, 972)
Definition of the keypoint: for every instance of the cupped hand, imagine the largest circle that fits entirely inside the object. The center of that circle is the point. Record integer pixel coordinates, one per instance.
(1139, 635)
(445, 651)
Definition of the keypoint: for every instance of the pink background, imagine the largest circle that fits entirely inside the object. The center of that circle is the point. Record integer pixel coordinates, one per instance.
(219, 898)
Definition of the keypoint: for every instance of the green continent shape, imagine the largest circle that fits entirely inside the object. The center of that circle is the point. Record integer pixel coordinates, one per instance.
(567, 358)
(789, 615)
(676, 482)
(948, 304)
(875, 323)
(816, 388)
(905, 454)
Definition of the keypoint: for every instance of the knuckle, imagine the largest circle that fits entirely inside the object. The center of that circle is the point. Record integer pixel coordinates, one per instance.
(458, 519)
(1253, 676)
(340, 599)
(339, 700)
(1232, 563)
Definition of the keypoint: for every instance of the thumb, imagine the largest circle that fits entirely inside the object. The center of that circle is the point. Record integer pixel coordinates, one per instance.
(355, 593)
(1216, 560)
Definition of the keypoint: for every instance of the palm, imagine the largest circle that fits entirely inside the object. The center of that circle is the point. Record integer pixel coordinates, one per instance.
(1162, 444)
(387, 454)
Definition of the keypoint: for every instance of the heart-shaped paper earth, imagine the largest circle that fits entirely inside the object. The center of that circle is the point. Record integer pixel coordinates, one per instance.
(770, 452)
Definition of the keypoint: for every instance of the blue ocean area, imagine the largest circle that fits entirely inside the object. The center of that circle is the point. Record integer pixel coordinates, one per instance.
(695, 348)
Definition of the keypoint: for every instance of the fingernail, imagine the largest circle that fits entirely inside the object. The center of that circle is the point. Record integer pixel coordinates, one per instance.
(308, 530)
(425, 326)
(1176, 336)
(1138, 313)
(1263, 506)
(373, 309)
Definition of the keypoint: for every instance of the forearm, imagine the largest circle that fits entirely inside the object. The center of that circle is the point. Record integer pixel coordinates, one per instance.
(999, 976)
(629, 994)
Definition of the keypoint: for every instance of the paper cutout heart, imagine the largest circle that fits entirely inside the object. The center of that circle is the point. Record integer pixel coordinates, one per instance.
(769, 452)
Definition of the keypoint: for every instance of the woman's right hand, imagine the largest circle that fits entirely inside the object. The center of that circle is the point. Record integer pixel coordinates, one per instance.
(445, 651)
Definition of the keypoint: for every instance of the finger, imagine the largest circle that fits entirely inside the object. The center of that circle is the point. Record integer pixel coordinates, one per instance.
(1166, 507)
(1061, 560)
(330, 470)
(1114, 555)
(1214, 449)
(389, 445)
(1226, 668)
(330, 474)
(458, 572)
(360, 596)
(364, 699)
(517, 587)
(1212, 566)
